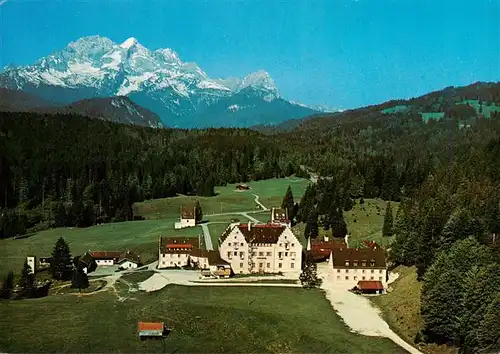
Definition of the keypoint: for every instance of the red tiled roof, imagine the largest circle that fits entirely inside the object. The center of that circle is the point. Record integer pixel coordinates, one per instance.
(178, 244)
(150, 326)
(371, 244)
(370, 285)
(105, 255)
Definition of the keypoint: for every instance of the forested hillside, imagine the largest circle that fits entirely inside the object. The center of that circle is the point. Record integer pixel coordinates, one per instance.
(439, 155)
(67, 170)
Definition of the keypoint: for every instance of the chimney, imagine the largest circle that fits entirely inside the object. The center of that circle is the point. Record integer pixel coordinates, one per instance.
(249, 225)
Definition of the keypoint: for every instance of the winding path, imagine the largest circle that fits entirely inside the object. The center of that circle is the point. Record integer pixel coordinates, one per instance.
(264, 208)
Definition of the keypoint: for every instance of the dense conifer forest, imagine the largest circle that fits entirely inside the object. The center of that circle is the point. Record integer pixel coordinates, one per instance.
(66, 170)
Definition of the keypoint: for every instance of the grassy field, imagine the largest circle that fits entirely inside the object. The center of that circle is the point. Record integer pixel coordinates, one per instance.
(202, 319)
(136, 236)
(367, 224)
(227, 200)
(401, 306)
(362, 224)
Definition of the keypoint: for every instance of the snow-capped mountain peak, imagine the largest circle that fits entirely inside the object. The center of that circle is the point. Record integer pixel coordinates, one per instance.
(95, 66)
(129, 43)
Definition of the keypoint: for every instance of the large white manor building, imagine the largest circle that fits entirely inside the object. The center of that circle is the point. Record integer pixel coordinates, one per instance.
(264, 248)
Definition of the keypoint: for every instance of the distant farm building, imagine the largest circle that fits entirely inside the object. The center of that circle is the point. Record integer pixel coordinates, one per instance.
(150, 330)
(187, 217)
(86, 262)
(31, 260)
(126, 259)
(370, 287)
(175, 251)
(242, 187)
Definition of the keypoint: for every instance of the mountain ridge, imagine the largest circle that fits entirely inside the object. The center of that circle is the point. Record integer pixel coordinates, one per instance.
(118, 109)
(179, 92)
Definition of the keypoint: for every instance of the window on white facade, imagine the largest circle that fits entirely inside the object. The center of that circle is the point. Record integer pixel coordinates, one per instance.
(338, 278)
(346, 278)
(286, 254)
(371, 278)
(279, 265)
(281, 245)
(268, 254)
(241, 244)
(363, 278)
(163, 262)
(355, 278)
(293, 244)
(261, 265)
(363, 271)
(268, 265)
(380, 271)
(229, 244)
(292, 254)
(242, 254)
(292, 265)
(338, 270)
(261, 254)
(380, 278)
(241, 265)
(178, 256)
(171, 263)
(280, 254)
(347, 270)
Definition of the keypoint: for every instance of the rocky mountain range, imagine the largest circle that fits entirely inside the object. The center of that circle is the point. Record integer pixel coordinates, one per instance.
(180, 93)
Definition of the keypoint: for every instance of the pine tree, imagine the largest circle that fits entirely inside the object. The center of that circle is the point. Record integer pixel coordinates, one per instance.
(147, 187)
(338, 225)
(288, 203)
(7, 286)
(309, 276)
(199, 212)
(488, 333)
(387, 229)
(311, 229)
(61, 265)
(27, 281)
(80, 279)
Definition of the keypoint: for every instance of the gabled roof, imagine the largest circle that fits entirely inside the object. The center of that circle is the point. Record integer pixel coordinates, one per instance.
(370, 285)
(150, 326)
(371, 244)
(214, 259)
(128, 256)
(105, 254)
(279, 214)
(178, 244)
(261, 233)
(356, 256)
(86, 258)
(188, 212)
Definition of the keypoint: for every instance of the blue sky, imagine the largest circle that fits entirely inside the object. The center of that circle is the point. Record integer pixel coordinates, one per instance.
(342, 53)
